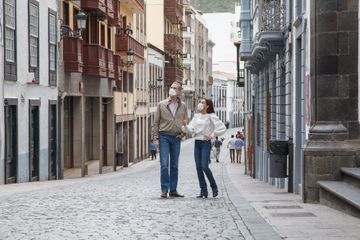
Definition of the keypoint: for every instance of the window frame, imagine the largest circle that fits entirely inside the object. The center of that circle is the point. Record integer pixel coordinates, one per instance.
(10, 68)
(35, 70)
(52, 73)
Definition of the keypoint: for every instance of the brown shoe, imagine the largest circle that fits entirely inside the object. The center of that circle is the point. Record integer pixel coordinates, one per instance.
(163, 195)
(175, 194)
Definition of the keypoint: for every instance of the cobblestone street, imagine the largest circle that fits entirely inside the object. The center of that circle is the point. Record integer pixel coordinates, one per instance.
(122, 205)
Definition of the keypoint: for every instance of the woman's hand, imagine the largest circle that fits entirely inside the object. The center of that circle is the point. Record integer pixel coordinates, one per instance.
(207, 137)
(185, 122)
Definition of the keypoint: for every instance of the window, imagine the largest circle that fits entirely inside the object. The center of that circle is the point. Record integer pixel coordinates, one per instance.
(10, 39)
(34, 39)
(52, 48)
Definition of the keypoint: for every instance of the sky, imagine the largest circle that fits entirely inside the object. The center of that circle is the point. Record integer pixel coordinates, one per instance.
(224, 51)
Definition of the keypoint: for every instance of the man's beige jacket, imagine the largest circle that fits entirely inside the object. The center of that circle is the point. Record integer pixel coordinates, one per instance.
(165, 122)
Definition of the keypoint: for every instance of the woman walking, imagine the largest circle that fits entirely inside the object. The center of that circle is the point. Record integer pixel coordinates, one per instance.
(204, 127)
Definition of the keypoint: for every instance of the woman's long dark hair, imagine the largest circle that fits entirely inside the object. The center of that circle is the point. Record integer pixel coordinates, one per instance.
(210, 105)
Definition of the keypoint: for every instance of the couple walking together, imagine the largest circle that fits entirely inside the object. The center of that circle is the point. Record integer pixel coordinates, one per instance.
(170, 125)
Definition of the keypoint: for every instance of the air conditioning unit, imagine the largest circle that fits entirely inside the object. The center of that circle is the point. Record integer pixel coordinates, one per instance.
(31, 77)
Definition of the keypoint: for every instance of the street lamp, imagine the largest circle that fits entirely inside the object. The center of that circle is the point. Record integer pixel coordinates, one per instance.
(240, 80)
(66, 31)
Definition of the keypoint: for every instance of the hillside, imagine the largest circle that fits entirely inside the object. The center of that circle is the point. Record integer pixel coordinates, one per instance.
(211, 6)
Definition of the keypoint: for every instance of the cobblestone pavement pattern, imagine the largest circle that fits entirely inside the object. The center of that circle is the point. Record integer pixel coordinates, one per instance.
(122, 205)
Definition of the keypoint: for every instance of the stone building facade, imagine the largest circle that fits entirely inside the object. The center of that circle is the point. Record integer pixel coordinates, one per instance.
(301, 60)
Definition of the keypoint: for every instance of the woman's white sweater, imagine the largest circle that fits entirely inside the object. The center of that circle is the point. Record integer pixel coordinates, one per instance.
(205, 125)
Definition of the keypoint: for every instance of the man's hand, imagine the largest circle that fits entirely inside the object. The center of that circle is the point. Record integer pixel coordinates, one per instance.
(156, 143)
(185, 122)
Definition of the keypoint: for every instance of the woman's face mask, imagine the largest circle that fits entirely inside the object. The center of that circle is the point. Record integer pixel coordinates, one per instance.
(172, 92)
(200, 107)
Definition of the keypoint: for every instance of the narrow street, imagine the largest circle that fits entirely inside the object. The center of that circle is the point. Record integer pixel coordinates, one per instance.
(121, 205)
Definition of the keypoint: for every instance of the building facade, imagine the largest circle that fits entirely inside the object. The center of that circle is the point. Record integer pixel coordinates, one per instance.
(301, 80)
(2, 134)
(29, 91)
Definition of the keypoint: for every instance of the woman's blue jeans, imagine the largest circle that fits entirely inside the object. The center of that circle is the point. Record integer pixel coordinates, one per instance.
(169, 148)
(202, 157)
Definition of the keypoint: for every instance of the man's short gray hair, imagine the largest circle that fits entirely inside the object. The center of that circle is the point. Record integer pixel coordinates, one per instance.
(178, 83)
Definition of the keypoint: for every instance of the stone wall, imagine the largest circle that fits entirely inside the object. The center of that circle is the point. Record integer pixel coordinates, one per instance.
(334, 67)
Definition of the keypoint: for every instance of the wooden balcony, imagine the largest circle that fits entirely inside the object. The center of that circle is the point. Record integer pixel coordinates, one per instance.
(110, 63)
(72, 54)
(116, 20)
(137, 6)
(110, 11)
(173, 73)
(95, 63)
(173, 43)
(117, 68)
(173, 10)
(125, 42)
(98, 6)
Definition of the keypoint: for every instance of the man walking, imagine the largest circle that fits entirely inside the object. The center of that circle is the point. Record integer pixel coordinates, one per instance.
(231, 147)
(239, 143)
(167, 134)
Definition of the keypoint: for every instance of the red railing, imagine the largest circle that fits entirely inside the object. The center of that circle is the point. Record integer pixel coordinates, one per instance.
(173, 43)
(117, 68)
(95, 63)
(125, 42)
(99, 6)
(110, 9)
(116, 20)
(172, 73)
(173, 10)
(73, 54)
(110, 63)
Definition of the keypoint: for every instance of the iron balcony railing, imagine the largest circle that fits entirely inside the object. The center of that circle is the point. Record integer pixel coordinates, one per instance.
(272, 15)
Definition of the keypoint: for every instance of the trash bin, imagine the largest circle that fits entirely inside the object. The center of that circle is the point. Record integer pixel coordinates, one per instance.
(279, 149)
(118, 159)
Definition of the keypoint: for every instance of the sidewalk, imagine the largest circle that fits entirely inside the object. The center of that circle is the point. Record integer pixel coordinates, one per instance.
(286, 213)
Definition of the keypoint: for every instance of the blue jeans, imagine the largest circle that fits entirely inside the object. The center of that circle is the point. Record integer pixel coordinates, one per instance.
(169, 148)
(202, 157)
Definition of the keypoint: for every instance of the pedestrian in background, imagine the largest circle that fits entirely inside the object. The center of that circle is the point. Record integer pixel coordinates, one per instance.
(167, 135)
(231, 147)
(204, 126)
(153, 150)
(217, 145)
(239, 143)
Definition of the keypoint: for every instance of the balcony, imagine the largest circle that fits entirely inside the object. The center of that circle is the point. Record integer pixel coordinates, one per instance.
(125, 42)
(136, 6)
(116, 19)
(110, 9)
(98, 6)
(187, 60)
(211, 80)
(73, 54)
(117, 67)
(95, 60)
(173, 10)
(110, 63)
(269, 40)
(173, 43)
(173, 73)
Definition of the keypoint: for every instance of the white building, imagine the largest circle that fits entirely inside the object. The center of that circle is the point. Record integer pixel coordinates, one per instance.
(195, 57)
(2, 136)
(30, 91)
(228, 99)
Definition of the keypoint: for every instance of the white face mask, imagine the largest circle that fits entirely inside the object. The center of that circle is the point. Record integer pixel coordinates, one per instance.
(200, 107)
(172, 92)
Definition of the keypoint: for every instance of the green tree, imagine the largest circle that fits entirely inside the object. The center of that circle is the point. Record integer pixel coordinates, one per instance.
(211, 6)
